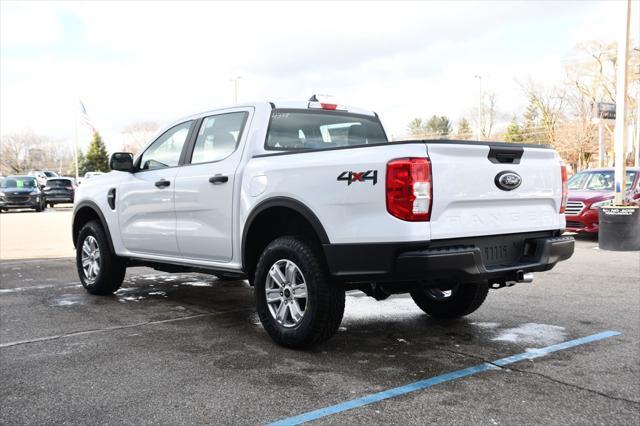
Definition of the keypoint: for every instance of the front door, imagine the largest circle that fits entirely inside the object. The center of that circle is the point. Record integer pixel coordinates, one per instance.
(204, 187)
(145, 201)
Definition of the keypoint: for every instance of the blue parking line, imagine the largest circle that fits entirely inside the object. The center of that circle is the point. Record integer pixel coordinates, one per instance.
(427, 383)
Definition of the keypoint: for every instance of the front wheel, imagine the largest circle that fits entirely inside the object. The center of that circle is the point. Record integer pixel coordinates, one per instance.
(450, 301)
(101, 271)
(298, 305)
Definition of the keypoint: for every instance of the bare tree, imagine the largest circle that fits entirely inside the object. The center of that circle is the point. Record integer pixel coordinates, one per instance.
(591, 77)
(488, 115)
(137, 134)
(12, 154)
(549, 104)
(26, 150)
(486, 119)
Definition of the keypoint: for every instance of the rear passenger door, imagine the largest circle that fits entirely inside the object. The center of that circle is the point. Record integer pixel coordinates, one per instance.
(204, 186)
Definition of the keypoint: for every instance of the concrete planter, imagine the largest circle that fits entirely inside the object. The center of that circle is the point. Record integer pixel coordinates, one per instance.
(619, 228)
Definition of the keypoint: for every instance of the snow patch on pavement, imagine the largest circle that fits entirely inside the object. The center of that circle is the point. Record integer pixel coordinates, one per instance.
(488, 325)
(532, 333)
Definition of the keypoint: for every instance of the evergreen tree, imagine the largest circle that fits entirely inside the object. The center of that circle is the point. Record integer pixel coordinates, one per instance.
(97, 159)
(514, 131)
(82, 167)
(439, 126)
(464, 129)
(531, 127)
(417, 128)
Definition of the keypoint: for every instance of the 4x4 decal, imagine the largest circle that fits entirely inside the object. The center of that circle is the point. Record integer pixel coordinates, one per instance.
(351, 177)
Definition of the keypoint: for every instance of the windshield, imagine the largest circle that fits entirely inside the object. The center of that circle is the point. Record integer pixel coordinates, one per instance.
(50, 174)
(598, 181)
(307, 129)
(19, 182)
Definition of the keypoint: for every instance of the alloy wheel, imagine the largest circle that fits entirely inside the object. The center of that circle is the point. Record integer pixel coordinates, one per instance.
(286, 293)
(90, 259)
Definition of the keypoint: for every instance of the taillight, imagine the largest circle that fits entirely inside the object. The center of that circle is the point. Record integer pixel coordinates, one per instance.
(565, 188)
(409, 189)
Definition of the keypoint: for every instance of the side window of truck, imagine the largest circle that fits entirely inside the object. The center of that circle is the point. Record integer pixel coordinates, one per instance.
(165, 151)
(218, 137)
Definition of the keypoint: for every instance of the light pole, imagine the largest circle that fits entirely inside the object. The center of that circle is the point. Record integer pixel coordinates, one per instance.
(235, 88)
(621, 110)
(479, 126)
(636, 159)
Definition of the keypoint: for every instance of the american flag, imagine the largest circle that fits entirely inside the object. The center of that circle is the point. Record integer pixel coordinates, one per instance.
(85, 117)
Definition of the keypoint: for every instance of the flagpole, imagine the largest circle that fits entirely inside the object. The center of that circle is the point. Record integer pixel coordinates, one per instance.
(76, 149)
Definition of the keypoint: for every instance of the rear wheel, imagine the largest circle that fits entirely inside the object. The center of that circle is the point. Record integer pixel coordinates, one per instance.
(101, 271)
(297, 303)
(450, 301)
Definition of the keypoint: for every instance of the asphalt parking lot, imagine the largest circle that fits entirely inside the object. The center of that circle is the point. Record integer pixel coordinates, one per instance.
(187, 348)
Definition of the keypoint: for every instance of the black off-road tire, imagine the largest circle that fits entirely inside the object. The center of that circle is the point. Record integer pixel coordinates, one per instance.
(112, 267)
(325, 298)
(39, 207)
(465, 299)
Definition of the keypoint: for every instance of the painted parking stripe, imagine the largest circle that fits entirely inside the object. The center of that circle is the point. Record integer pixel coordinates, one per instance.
(427, 383)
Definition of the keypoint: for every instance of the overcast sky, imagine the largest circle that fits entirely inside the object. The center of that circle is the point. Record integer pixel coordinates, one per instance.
(162, 60)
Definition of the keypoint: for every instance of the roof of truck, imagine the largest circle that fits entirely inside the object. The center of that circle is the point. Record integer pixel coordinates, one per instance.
(284, 104)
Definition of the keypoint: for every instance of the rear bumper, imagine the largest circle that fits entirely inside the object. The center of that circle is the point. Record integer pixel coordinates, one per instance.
(466, 263)
(458, 259)
(58, 199)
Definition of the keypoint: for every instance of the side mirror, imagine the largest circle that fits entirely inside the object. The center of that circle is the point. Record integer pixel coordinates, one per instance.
(121, 161)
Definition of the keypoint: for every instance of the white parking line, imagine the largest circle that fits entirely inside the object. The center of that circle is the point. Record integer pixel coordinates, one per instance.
(119, 327)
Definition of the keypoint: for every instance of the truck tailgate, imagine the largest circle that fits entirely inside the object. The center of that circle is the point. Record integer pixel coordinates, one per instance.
(467, 199)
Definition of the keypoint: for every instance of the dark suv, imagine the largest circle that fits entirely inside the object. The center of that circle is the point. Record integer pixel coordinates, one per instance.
(59, 190)
(21, 192)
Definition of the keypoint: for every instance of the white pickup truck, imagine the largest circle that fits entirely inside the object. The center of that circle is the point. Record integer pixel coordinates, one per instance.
(307, 200)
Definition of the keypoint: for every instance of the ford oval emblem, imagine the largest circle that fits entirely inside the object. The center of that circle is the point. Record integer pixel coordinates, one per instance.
(508, 181)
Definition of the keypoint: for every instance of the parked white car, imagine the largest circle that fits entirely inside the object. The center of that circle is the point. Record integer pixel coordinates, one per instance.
(307, 200)
(42, 176)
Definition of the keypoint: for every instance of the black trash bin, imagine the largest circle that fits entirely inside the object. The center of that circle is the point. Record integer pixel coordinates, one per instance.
(619, 228)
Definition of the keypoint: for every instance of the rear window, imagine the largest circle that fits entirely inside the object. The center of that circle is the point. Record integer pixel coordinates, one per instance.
(292, 130)
(58, 183)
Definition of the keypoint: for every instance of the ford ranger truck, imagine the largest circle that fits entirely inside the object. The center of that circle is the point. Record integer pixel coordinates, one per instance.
(307, 200)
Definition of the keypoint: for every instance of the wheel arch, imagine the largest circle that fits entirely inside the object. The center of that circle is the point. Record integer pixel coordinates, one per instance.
(294, 209)
(85, 212)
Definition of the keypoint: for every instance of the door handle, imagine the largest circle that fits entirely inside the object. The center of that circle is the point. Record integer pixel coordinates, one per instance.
(162, 183)
(218, 179)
